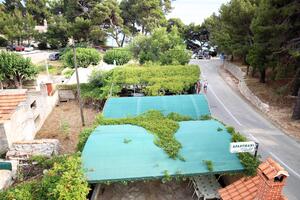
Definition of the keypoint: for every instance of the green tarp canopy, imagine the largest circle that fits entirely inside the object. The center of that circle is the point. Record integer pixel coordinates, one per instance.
(190, 105)
(107, 157)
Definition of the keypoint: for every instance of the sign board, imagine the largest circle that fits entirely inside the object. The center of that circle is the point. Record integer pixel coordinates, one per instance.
(242, 147)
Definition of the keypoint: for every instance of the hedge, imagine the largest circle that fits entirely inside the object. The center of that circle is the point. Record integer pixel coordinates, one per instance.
(120, 56)
(84, 57)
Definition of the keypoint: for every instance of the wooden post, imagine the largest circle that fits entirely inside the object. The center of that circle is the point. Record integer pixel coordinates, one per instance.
(78, 86)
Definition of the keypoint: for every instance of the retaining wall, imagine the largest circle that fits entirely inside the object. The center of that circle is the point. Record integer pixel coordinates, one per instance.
(244, 89)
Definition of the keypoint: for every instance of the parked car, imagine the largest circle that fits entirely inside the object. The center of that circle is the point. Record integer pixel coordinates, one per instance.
(54, 56)
(28, 48)
(199, 56)
(20, 48)
(11, 48)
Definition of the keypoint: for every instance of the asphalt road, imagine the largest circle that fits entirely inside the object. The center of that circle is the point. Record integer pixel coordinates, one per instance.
(228, 106)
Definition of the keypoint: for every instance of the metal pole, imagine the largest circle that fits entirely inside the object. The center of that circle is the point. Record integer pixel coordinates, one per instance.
(78, 87)
(256, 149)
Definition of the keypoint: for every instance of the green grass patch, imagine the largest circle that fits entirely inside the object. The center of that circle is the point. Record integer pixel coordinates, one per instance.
(209, 165)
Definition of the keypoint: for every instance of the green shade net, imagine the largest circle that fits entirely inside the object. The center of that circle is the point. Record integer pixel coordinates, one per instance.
(106, 157)
(189, 105)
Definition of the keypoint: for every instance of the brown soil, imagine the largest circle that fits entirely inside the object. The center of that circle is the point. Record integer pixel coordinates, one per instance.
(152, 190)
(64, 124)
(281, 107)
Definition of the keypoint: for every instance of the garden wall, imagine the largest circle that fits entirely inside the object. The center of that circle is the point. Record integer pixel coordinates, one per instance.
(244, 89)
(27, 118)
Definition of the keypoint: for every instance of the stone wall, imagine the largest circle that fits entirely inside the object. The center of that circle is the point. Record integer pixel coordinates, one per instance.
(235, 70)
(66, 95)
(244, 89)
(25, 149)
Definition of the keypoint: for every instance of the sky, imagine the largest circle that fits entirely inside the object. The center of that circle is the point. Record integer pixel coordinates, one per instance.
(195, 10)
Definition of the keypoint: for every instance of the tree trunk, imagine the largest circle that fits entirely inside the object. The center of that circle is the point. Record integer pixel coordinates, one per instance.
(253, 71)
(296, 83)
(296, 112)
(262, 77)
(123, 40)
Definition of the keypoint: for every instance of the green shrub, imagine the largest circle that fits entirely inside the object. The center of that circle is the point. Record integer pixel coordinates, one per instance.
(83, 136)
(68, 72)
(120, 56)
(152, 79)
(177, 117)
(175, 56)
(65, 180)
(209, 165)
(230, 129)
(250, 163)
(20, 192)
(3, 42)
(205, 117)
(84, 57)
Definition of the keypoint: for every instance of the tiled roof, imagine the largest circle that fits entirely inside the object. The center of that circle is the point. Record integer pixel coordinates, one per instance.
(246, 188)
(271, 169)
(9, 101)
(243, 189)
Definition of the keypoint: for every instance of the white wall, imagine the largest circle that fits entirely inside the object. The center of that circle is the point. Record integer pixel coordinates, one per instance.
(26, 121)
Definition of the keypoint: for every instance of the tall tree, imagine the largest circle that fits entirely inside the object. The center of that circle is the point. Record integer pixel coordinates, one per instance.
(58, 32)
(196, 36)
(18, 27)
(107, 15)
(12, 5)
(38, 9)
(145, 15)
(276, 29)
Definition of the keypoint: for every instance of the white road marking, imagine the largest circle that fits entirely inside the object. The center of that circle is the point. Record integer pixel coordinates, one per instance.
(253, 138)
(227, 110)
(290, 169)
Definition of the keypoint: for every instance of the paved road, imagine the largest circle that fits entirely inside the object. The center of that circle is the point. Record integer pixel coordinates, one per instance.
(228, 106)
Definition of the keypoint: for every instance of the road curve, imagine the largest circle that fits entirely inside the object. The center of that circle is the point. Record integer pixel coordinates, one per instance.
(228, 106)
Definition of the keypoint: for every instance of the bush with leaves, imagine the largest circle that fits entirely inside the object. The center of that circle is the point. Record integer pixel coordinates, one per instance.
(161, 46)
(249, 162)
(65, 180)
(84, 57)
(14, 68)
(119, 56)
(83, 136)
(151, 79)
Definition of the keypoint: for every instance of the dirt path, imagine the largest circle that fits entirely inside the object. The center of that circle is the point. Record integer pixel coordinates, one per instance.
(64, 124)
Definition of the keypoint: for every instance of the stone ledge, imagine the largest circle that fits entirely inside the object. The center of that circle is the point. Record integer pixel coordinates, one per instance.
(244, 89)
(23, 150)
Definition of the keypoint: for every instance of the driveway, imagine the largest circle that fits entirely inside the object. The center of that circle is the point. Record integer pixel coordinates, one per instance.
(228, 106)
(36, 56)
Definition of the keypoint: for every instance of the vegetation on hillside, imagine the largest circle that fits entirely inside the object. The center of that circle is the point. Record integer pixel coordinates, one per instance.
(64, 179)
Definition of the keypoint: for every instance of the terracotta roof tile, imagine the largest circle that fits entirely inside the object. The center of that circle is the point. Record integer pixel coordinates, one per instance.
(9, 102)
(246, 188)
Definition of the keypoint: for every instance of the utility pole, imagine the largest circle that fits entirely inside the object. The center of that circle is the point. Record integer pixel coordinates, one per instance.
(78, 85)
